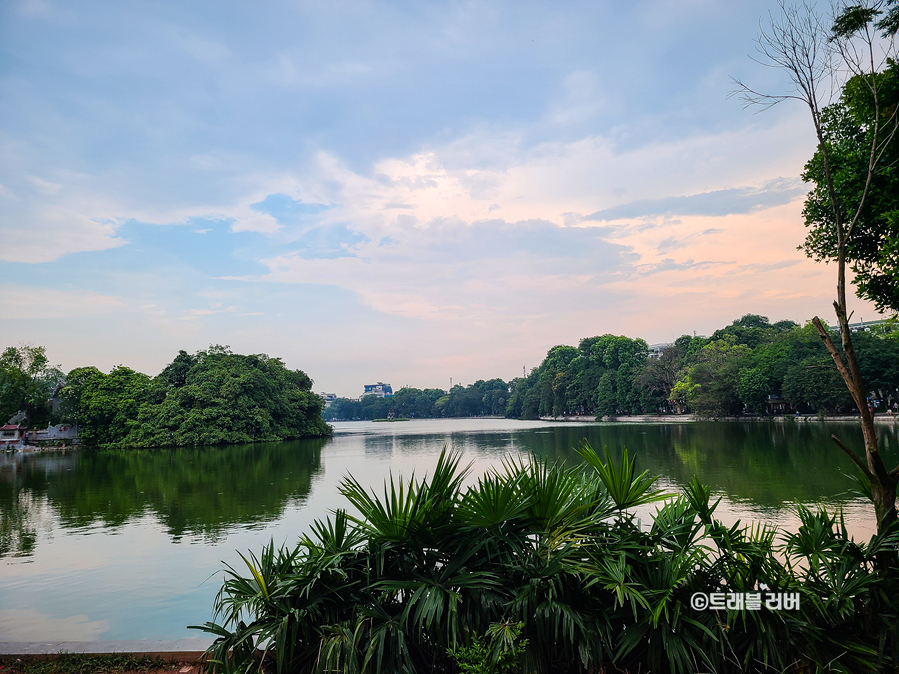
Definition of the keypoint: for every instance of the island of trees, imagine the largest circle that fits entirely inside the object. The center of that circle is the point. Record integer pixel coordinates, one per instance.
(208, 398)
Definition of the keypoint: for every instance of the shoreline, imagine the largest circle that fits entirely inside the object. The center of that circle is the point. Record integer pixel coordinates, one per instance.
(170, 650)
(884, 419)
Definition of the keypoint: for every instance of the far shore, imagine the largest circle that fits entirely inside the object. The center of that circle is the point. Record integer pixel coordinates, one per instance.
(690, 418)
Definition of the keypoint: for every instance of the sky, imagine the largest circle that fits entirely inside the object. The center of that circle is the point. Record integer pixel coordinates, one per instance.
(405, 192)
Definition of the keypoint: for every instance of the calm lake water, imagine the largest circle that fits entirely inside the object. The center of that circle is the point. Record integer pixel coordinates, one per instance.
(115, 545)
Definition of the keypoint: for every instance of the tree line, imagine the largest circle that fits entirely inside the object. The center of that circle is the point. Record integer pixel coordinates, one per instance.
(750, 366)
(482, 398)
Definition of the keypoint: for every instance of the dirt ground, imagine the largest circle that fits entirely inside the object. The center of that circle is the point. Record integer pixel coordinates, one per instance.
(71, 663)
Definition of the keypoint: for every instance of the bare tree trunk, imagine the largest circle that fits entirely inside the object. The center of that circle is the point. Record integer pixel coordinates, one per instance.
(883, 482)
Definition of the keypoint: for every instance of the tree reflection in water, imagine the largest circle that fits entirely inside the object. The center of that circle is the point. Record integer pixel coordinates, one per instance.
(200, 491)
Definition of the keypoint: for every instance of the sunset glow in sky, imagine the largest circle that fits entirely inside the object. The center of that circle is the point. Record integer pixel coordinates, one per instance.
(403, 192)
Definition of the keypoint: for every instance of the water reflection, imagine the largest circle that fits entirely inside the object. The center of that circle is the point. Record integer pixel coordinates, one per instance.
(123, 544)
(765, 464)
(205, 492)
(202, 491)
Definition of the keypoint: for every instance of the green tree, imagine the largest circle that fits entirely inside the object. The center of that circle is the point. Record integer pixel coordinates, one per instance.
(872, 243)
(108, 404)
(212, 397)
(852, 167)
(606, 395)
(815, 385)
(709, 385)
(657, 378)
(753, 389)
(27, 381)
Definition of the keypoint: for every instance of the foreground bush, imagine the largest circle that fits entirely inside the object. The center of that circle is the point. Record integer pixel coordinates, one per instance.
(542, 568)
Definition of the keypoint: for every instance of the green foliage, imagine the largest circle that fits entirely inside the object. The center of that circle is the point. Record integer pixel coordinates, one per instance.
(482, 398)
(814, 385)
(108, 404)
(213, 397)
(596, 378)
(753, 389)
(709, 385)
(498, 652)
(848, 127)
(540, 568)
(27, 381)
(732, 372)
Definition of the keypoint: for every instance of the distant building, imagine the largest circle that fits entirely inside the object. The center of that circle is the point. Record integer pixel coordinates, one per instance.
(655, 350)
(328, 398)
(12, 435)
(879, 326)
(380, 389)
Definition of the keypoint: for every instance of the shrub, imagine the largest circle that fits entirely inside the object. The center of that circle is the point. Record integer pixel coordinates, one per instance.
(428, 574)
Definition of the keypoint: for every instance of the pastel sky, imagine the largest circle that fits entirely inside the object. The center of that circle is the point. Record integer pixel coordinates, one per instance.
(391, 191)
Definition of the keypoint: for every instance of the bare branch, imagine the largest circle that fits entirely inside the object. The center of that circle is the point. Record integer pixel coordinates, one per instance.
(853, 456)
(797, 43)
(845, 373)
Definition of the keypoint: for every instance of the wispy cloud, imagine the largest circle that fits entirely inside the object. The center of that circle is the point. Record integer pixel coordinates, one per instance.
(714, 203)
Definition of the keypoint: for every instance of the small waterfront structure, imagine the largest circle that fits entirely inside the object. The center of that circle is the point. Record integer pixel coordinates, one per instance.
(12, 436)
(777, 405)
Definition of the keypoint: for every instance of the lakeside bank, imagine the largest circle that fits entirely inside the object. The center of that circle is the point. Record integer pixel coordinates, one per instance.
(885, 419)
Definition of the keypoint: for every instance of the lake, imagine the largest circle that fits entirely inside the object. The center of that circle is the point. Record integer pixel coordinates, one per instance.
(125, 545)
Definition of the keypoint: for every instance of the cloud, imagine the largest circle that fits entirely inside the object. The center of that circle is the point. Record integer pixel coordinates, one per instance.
(715, 203)
(674, 242)
(264, 224)
(19, 302)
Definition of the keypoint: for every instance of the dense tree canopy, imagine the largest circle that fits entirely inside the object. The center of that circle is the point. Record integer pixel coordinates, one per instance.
(215, 396)
(750, 366)
(211, 397)
(739, 369)
(27, 381)
(873, 246)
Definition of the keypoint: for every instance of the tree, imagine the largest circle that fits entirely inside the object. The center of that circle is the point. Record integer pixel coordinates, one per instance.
(27, 381)
(753, 389)
(659, 376)
(873, 244)
(815, 385)
(108, 404)
(818, 55)
(709, 385)
(212, 397)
